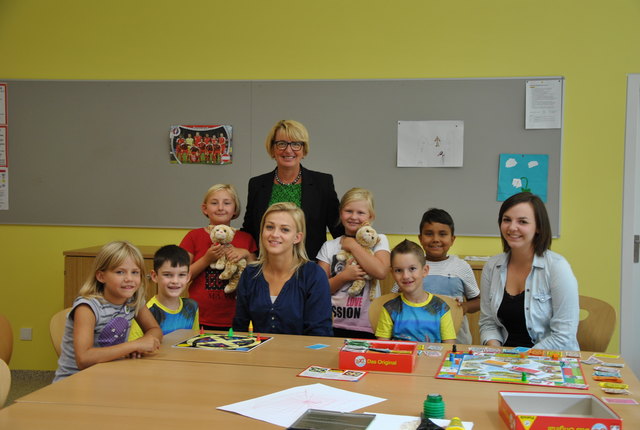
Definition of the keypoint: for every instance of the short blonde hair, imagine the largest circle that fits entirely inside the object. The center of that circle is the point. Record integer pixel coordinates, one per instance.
(111, 256)
(359, 194)
(294, 131)
(299, 251)
(228, 188)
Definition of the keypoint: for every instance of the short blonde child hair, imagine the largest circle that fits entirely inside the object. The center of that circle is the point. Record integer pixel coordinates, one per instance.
(111, 256)
(299, 252)
(294, 131)
(228, 188)
(359, 194)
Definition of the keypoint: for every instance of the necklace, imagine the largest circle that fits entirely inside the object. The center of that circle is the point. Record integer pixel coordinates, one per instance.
(295, 181)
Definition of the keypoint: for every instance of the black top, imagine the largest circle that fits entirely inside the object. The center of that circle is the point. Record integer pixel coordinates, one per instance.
(319, 203)
(511, 314)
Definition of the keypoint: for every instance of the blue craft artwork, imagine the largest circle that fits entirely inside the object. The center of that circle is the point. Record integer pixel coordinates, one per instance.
(523, 172)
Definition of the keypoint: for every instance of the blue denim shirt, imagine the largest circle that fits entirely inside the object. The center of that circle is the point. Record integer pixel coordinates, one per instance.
(551, 305)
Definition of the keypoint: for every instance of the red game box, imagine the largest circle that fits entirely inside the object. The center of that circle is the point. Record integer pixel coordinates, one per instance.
(401, 357)
(543, 411)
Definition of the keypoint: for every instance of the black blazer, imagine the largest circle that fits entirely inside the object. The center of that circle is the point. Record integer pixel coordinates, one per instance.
(319, 203)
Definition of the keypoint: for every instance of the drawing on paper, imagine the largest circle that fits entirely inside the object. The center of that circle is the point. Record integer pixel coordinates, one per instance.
(430, 143)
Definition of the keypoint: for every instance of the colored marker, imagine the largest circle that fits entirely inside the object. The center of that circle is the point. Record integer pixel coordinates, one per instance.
(524, 376)
(230, 334)
(250, 328)
(201, 331)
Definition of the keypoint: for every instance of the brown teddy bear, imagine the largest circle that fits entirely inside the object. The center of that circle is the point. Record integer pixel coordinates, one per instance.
(223, 234)
(367, 237)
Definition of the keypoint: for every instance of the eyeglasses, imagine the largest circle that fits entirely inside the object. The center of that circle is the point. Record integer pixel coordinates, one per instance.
(281, 145)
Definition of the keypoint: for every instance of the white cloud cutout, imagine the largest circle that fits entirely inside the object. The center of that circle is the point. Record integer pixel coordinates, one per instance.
(533, 164)
(516, 183)
(511, 162)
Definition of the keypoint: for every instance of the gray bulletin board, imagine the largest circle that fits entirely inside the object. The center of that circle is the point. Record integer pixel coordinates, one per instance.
(97, 152)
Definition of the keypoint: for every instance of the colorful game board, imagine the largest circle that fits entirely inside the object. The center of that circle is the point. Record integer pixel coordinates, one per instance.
(562, 372)
(223, 342)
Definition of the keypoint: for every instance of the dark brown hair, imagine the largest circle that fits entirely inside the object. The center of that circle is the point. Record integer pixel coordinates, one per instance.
(542, 238)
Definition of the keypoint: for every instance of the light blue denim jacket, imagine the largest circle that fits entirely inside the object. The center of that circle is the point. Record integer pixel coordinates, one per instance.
(551, 304)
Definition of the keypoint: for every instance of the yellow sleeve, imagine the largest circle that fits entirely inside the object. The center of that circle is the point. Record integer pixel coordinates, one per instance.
(446, 327)
(135, 332)
(196, 321)
(385, 325)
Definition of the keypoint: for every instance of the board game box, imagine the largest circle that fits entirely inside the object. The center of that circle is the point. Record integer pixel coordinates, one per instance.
(543, 411)
(561, 372)
(385, 355)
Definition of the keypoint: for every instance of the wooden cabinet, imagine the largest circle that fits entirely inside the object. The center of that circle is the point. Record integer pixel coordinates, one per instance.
(78, 264)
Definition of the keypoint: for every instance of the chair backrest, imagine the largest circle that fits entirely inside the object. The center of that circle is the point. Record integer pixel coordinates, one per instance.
(386, 284)
(56, 328)
(376, 307)
(456, 311)
(6, 339)
(5, 382)
(595, 331)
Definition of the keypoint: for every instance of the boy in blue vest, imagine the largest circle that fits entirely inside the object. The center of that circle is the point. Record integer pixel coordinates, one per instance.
(415, 314)
(171, 273)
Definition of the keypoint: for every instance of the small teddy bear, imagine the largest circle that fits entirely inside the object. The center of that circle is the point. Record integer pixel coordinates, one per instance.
(368, 238)
(223, 234)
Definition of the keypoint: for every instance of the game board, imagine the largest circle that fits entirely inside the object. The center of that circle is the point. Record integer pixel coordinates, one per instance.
(223, 342)
(561, 372)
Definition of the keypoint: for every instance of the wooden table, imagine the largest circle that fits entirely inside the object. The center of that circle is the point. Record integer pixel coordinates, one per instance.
(183, 388)
(288, 351)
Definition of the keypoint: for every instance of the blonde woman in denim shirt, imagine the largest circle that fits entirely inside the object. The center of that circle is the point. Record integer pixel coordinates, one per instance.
(529, 295)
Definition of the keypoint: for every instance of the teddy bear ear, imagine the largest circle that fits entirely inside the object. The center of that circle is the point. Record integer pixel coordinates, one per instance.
(209, 228)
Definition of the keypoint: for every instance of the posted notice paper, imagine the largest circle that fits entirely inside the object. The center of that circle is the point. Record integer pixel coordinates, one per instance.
(543, 104)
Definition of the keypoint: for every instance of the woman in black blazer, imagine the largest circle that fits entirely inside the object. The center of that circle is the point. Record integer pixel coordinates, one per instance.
(314, 192)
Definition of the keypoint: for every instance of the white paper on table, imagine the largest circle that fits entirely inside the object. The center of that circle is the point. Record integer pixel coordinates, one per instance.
(430, 143)
(405, 422)
(284, 407)
(543, 104)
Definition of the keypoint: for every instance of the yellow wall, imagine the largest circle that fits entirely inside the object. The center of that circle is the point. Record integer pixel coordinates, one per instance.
(592, 43)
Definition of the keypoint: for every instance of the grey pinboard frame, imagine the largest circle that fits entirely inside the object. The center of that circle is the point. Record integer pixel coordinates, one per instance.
(97, 152)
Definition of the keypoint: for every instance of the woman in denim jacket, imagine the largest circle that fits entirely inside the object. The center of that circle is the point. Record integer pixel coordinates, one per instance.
(529, 295)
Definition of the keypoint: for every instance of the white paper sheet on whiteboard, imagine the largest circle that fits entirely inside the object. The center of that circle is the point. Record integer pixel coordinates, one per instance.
(430, 143)
(543, 104)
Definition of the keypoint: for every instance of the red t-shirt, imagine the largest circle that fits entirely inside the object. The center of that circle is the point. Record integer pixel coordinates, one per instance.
(216, 308)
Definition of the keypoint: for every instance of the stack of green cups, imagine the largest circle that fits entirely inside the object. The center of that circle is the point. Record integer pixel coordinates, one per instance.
(433, 406)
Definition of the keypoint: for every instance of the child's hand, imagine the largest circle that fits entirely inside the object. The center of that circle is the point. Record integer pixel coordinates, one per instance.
(352, 272)
(235, 254)
(348, 243)
(461, 304)
(145, 345)
(214, 252)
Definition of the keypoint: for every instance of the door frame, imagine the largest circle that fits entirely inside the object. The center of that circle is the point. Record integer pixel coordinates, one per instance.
(629, 278)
